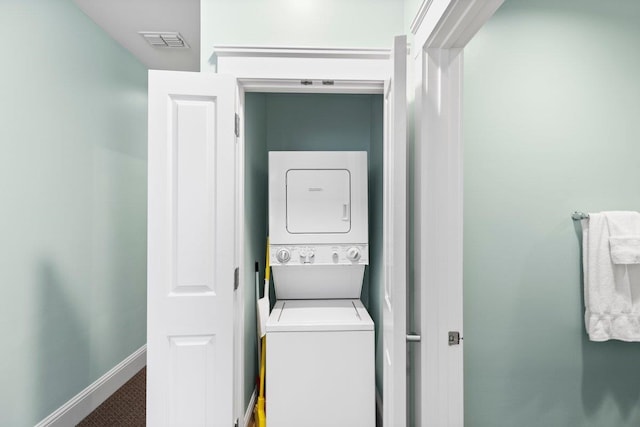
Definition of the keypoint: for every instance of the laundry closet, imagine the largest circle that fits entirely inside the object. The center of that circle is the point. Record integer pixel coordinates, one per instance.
(325, 342)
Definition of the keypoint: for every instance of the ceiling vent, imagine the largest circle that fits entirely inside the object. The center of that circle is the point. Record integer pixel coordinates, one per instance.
(164, 39)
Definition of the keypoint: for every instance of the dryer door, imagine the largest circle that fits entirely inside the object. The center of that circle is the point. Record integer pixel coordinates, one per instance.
(318, 201)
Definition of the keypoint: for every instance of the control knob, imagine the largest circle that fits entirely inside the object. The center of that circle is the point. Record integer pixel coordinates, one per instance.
(353, 254)
(283, 255)
(306, 256)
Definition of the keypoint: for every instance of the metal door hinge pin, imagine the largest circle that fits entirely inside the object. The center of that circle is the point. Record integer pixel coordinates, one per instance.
(413, 337)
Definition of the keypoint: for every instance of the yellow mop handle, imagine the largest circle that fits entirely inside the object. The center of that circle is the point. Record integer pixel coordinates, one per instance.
(266, 271)
(263, 365)
(259, 412)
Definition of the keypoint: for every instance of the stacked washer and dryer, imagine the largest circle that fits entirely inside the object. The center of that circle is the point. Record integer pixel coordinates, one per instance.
(320, 338)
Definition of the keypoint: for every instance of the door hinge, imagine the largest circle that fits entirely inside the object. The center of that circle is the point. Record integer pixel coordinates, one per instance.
(237, 125)
(454, 337)
(237, 423)
(236, 279)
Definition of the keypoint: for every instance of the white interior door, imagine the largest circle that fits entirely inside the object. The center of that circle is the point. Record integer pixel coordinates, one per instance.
(395, 240)
(191, 249)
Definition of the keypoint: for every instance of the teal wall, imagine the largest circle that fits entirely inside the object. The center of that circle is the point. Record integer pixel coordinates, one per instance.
(255, 223)
(551, 109)
(73, 206)
(375, 271)
(309, 23)
(308, 122)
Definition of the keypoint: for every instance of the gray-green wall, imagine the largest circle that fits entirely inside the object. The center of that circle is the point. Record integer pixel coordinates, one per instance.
(298, 23)
(72, 206)
(255, 223)
(551, 107)
(308, 122)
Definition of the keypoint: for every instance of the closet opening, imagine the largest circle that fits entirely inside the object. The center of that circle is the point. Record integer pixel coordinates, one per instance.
(285, 121)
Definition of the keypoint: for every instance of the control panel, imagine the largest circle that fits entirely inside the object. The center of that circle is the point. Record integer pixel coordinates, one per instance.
(319, 254)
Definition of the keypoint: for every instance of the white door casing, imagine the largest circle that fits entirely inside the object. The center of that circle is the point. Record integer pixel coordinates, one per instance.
(442, 28)
(191, 249)
(261, 69)
(395, 240)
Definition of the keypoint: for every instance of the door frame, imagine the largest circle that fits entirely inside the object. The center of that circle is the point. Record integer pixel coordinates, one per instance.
(271, 70)
(441, 29)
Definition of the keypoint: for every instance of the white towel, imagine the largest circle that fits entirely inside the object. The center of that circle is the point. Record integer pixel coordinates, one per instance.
(624, 240)
(625, 250)
(611, 292)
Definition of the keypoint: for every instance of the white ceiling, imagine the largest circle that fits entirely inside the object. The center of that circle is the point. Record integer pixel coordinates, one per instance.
(123, 19)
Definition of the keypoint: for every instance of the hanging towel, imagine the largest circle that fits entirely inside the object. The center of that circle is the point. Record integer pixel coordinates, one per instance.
(611, 291)
(624, 240)
(625, 250)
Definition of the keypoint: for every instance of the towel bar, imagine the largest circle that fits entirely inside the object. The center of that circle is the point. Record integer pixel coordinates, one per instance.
(577, 216)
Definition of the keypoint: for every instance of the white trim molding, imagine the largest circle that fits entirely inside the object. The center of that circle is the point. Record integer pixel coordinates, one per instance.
(287, 63)
(416, 23)
(312, 86)
(85, 402)
(448, 24)
(300, 52)
(249, 412)
(441, 30)
(439, 251)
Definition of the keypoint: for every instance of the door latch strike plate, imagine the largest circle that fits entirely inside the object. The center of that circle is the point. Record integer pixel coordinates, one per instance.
(236, 278)
(454, 338)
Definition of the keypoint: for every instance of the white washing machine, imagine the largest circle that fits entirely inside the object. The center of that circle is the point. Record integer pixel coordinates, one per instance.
(320, 338)
(320, 364)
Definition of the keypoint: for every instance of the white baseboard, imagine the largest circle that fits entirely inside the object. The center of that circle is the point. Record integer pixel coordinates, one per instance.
(82, 404)
(378, 408)
(252, 403)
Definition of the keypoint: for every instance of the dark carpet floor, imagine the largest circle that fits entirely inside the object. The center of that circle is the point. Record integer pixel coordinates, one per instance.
(124, 408)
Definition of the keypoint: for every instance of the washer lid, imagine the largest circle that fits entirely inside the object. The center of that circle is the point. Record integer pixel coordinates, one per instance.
(319, 315)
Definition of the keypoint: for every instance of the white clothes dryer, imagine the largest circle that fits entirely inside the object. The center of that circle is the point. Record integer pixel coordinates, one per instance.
(318, 223)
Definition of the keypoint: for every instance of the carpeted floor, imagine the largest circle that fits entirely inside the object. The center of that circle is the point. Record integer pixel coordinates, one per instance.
(124, 408)
(127, 407)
